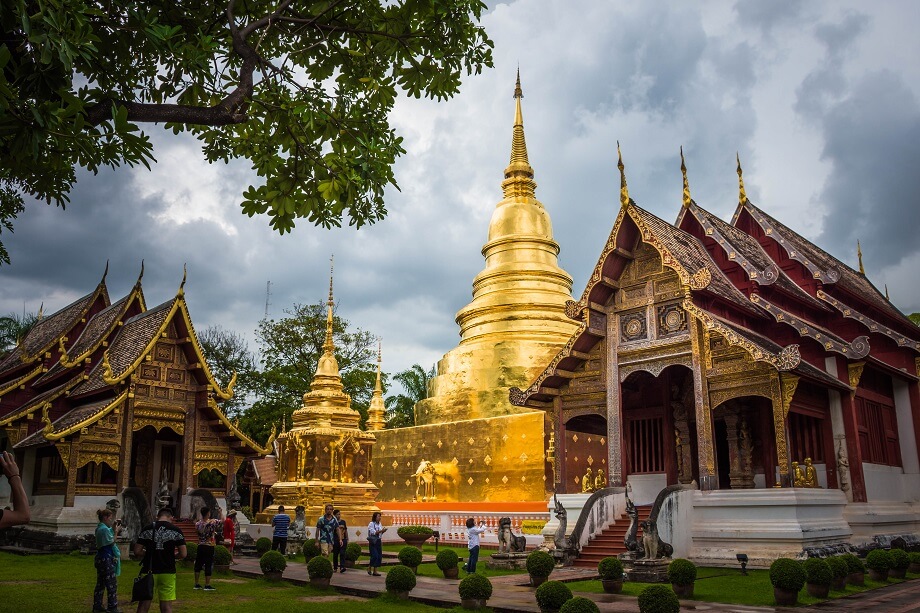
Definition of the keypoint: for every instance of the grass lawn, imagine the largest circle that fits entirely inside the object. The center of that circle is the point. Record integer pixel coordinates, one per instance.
(431, 569)
(64, 583)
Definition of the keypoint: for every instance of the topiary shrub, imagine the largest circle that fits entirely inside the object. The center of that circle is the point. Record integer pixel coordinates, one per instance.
(475, 587)
(311, 550)
(579, 604)
(914, 558)
(610, 569)
(681, 572)
(818, 572)
(400, 579)
(404, 531)
(540, 564)
(222, 556)
(879, 560)
(262, 545)
(900, 560)
(839, 568)
(787, 574)
(272, 561)
(319, 568)
(854, 564)
(191, 552)
(352, 552)
(410, 556)
(448, 559)
(658, 599)
(552, 595)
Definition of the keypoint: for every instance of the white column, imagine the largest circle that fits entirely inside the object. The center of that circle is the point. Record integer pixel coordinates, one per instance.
(906, 436)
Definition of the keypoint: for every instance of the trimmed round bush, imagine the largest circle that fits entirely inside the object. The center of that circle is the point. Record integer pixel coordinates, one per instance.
(352, 552)
(410, 556)
(787, 574)
(854, 564)
(262, 545)
(658, 599)
(610, 569)
(540, 564)
(475, 586)
(222, 556)
(191, 551)
(400, 579)
(818, 571)
(404, 531)
(552, 595)
(839, 568)
(311, 550)
(448, 559)
(272, 561)
(579, 604)
(899, 559)
(879, 560)
(681, 572)
(914, 557)
(319, 568)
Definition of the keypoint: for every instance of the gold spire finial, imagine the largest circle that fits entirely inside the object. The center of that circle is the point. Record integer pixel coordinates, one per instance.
(328, 346)
(41, 311)
(518, 92)
(181, 291)
(105, 273)
(377, 408)
(141, 276)
(519, 174)
(862, 270)
(887, 297)
(742, 196)
(683, 171)
(624, 190)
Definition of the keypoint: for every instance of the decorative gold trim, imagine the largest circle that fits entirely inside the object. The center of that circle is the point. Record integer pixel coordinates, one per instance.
(98, 456)
(240, 434)
(218, 465)
(610, 247)
(22, 380)
(855, 370)
(857, 348)
(788, 384)
(71, 361)
(63, 450)
(30, 407)
(871, 324)
(779, 427)
(48, 430)
(697, 281)
(519, 397)
(28, 358)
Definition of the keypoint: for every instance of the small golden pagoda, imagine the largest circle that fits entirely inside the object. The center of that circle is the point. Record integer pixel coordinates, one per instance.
(377, 409)
(325, 458)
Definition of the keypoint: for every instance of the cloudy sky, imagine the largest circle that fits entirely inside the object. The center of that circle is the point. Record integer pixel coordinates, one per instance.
(819, 98)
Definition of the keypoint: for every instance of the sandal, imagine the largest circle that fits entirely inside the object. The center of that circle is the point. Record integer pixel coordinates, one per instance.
(377, 575)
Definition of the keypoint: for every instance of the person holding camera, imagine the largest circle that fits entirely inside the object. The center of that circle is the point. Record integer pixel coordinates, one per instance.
(472, 535)
(107, 562)
(208, 531)
(20, 514)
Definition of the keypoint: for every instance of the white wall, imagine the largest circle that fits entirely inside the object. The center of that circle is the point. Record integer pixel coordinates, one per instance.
(645, 488)
(906, 436)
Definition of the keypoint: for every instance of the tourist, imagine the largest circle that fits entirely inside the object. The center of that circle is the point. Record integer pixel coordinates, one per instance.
(207, 529)
(230, 532)
(161, 544)
(472, 536)
(280, 522)
(20, 514)
(339, 542)
(325, 531)
(107, 562)
(375, 544)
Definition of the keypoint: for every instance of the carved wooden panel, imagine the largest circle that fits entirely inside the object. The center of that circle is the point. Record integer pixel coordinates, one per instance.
(142, 390)
(633, 326)
(161, 393)
(151, 372)
(175, 375)
(164, 352)
(671, 319)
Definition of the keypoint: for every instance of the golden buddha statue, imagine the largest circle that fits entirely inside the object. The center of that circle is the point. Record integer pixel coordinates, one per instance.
(798, 475)
(587, 482)
(600, 481)
(811, 475)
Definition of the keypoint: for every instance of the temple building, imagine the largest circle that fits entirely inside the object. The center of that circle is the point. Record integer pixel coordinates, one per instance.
(469, 441)
(102, 396)
(744, 359)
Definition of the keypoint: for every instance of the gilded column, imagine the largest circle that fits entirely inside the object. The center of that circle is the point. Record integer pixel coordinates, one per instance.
(615, 448)
(705, 452)
(127, 442)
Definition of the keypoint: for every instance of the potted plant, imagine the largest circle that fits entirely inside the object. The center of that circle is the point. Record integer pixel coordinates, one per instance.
(818, 577)
(222, 559)
(191, 552)
(539, 566)
(878, 562)
(856, 569)
(658, 599)
(474, 589)
(682, 574)
(787, 577)
(611, 573)
(262, 545)
(414, 535)
(411, 557)
(310, 550)
(579, 604)
(914, 558)
(839, 570)
(320, 571)
(352, 553)
(551, 595)
(447, 561)
(272, 564)
(899, 563)
(400, 581)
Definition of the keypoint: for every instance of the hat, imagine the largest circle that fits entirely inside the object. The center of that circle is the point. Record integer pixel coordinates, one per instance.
(231, 513)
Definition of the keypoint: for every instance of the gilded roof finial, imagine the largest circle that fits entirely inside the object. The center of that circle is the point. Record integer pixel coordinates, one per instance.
(862, 270)
(742, 196)
(41, 311)
(683, 171)
(887, 297)
(377, 408)
(518, 92)
(105, 273)
(624, 191)
(181, 291)
(141, 276)
(519, 174)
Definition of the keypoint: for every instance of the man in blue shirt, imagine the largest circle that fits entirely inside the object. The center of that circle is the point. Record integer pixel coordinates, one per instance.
(324, 534)
(280, 522)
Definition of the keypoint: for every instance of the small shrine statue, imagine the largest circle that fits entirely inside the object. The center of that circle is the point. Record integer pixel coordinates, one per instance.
(811, 475)
(163, 497)
(798, 475)
(587, 482)
(600, 481)
(843, 468)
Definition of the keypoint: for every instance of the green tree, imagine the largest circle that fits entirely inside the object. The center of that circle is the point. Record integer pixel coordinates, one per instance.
(13, 329)
(915, 317)
(415, 380)
(302, 90)
(228, 352)
(290, 349)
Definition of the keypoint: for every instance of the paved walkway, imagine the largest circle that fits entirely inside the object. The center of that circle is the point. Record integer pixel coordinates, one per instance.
(897, 598)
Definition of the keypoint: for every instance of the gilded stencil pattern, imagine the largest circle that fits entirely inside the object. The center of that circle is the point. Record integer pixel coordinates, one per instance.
(869, 323)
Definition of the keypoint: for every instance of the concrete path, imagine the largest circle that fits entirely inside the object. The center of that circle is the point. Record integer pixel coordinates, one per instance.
(897, 598)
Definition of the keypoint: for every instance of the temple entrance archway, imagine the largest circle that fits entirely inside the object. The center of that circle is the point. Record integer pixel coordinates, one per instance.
(585, 448)
(155, 453)
(744, 441)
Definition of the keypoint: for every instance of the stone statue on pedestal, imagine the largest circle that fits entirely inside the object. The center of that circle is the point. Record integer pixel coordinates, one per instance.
(843, 469)
(163, 497)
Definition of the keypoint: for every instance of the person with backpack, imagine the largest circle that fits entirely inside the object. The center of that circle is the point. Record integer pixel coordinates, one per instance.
(339, 542)
(160, 545)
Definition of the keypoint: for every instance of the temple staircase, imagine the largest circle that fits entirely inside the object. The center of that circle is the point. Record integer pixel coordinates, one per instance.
(188, 530)
(610, 542)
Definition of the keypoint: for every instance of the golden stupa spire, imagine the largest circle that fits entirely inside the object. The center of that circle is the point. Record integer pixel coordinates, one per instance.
(519, 173)
(624, 190)
(862, 270)
(328, 345)
(377, 408)
(742, 196)
(683, 171)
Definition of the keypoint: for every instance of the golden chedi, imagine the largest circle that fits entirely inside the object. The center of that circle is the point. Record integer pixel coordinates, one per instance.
(325, 458)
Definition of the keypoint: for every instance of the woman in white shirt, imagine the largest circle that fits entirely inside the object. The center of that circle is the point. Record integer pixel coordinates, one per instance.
(472, 535)
(374, 544)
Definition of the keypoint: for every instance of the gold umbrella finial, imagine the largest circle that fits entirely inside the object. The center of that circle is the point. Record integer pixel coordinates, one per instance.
(742, 196)
(624, 190)
(683, 171)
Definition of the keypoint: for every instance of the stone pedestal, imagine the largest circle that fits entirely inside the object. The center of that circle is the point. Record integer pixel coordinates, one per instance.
(647, 571)
(507, 561)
